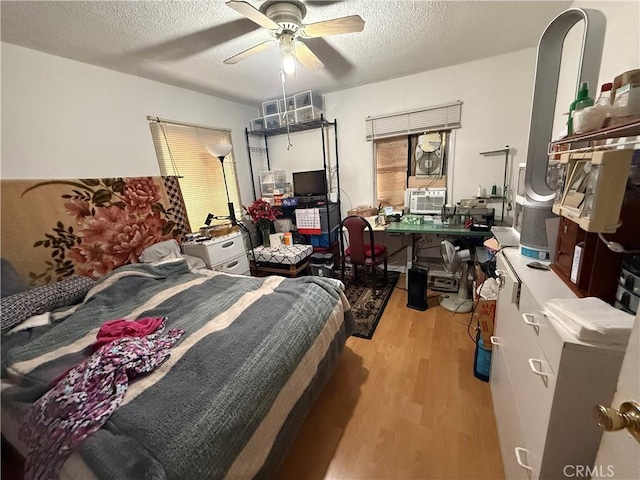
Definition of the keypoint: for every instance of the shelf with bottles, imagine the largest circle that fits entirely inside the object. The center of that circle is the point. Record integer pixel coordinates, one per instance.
(631, 129)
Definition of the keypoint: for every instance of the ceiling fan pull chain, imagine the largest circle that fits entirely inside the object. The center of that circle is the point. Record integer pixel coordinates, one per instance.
(284, 102)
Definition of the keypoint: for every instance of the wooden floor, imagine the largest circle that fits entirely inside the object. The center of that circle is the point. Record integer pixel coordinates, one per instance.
(402, 405)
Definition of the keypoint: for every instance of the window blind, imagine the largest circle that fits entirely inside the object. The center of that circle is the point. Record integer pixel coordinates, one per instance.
(181, 151)
(391, 170)
(441, 117)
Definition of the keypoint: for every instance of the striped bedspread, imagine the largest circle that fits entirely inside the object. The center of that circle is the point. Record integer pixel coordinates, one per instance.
(229, 400)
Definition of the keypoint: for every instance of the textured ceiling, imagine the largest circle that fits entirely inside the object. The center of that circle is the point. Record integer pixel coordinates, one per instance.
(184, 43)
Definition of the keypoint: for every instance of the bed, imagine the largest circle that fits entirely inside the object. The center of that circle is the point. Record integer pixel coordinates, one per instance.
(229, 400)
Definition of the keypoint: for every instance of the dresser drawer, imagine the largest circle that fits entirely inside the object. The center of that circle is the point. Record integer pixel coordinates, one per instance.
(238, 265)
(533, 380)
(513, 445)
(541, 329)
(215, 252)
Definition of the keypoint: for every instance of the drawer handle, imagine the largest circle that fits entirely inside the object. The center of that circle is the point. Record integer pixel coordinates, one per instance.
(538, 370)
(519, 451)
(529, 319)
(227, 244)
(494, 340)
(232, 264)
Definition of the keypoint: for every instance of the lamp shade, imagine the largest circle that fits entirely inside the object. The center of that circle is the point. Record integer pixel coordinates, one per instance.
(219, 150)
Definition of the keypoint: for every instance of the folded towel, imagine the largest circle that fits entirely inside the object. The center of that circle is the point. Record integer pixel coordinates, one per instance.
(591, 319)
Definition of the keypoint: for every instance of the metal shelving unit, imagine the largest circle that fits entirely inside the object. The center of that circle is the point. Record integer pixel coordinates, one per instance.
(502, 151)
(318, 124)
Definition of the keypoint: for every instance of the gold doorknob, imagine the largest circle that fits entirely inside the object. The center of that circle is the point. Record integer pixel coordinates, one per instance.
(612, 420)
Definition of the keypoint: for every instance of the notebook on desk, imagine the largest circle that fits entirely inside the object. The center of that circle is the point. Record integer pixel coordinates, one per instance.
(506, 236)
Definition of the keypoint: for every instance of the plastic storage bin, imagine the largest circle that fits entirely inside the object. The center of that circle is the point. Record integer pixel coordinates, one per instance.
(306, 114)
(271, 107)
(272, 180)
(257, 124)
(272, 121)
(309, 99)
(287, 105)
(288, 118)
(325, 240)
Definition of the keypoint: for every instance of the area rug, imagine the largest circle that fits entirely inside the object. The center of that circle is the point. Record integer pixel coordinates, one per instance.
(366, 309)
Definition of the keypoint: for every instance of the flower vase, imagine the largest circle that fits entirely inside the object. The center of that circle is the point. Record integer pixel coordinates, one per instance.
(266, 231)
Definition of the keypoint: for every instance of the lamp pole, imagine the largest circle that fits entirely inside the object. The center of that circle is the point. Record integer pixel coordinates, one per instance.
(232, 212)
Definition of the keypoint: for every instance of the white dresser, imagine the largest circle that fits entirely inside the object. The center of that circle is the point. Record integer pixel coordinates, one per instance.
(544, 382)
(224, 254)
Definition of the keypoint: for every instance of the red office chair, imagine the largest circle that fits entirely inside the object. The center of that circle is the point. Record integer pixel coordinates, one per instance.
(359, 252)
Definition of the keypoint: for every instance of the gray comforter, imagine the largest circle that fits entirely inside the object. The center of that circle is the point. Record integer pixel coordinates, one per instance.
(228, 402)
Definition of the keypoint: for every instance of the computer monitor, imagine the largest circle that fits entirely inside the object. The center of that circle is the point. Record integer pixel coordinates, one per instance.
(311, 183)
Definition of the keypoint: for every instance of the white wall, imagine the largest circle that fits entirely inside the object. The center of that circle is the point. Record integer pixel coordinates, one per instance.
(66, 119)
(496, 93)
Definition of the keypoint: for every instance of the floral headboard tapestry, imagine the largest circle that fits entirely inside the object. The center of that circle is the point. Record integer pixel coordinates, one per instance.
(52, 229)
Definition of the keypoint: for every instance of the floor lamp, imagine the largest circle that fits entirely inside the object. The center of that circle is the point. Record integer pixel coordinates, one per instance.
(220, 151)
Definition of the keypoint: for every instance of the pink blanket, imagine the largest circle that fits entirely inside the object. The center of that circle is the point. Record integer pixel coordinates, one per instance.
(115, 329)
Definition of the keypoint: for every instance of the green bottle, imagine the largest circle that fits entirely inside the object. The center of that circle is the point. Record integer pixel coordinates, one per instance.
(583, 100)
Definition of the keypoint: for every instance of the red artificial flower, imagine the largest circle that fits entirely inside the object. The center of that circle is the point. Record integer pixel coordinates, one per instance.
(262, 212)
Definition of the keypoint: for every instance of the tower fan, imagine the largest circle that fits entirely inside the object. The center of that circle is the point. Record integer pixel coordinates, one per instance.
(454, 260)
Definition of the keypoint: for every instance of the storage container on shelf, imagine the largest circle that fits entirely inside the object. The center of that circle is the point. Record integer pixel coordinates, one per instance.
(325, 239)
(271, 181)
(257, 124)
(306, 114)
(271, 107)
(309, 99)
(289, 118)
(287, 105)
(272, 121)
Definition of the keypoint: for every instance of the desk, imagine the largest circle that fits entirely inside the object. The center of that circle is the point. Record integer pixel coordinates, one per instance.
(428, 228)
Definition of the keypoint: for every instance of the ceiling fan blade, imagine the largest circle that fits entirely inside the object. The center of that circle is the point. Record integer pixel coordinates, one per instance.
(321, 3)
(253, 14)
(184, 47)
(307, 58)
(336, 26)
(334, 62)
(251, 51)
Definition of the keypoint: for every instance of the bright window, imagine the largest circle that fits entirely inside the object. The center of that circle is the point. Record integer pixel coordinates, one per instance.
(181, 151)
(413, 161)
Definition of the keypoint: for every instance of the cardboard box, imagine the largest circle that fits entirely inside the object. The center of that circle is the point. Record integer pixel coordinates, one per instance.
(485, 315)
(363, 211)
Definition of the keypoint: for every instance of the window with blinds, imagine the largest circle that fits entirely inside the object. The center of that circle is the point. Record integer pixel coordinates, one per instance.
(391, 170)
(397, 167)
(441, 117)
(181, 151)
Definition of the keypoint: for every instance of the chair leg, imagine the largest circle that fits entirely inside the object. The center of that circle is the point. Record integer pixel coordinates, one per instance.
(385, 270)
(373, 280)
(343, 267)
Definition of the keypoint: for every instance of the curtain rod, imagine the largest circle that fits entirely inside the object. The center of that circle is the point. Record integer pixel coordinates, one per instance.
(151, 118)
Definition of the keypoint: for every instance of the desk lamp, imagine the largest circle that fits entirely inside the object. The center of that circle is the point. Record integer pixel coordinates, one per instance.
(221, 150)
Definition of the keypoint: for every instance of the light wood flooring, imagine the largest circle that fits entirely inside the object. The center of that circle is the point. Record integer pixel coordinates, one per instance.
(404, 405)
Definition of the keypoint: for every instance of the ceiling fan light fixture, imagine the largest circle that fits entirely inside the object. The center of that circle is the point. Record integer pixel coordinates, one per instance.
(288, 54)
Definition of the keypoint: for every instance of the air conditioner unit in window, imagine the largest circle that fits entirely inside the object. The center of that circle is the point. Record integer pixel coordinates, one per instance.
(427, 202)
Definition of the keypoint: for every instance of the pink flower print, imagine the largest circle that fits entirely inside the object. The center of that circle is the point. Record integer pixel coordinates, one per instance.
(91, 259)
(140, 194)
(130, 239)
(79, 208)
(101, 227)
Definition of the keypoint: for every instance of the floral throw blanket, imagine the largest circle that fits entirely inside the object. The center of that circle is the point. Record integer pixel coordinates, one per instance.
(52, 229)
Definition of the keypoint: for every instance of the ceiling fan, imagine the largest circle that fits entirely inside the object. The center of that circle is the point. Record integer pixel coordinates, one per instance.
(283, 19)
